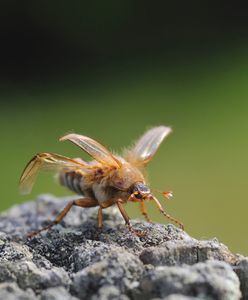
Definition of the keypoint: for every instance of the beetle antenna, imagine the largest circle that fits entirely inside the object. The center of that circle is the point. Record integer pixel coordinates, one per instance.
(168, 195)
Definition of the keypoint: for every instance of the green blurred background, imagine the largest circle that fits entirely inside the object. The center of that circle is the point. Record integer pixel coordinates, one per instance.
(111, 70)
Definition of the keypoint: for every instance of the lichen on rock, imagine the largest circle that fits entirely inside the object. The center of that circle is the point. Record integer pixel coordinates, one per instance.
(75, 260)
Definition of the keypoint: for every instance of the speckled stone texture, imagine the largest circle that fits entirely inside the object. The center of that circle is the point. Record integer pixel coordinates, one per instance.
(75, 260)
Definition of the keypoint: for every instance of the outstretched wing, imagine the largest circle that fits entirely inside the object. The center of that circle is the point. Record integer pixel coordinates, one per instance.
(94, 149)
(45, 161)
(145, 148)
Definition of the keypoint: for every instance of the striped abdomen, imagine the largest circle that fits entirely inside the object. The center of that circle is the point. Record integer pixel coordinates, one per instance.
(98, 190)
(73, 180)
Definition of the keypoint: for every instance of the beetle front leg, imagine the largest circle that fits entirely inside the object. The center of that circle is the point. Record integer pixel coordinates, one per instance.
(165, 213)
(127, 219)
(144, 211)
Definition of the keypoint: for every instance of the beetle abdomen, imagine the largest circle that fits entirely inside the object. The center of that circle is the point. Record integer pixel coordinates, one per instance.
(73, 181)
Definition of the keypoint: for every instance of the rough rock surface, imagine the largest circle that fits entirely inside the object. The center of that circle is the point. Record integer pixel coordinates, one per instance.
(76, 261)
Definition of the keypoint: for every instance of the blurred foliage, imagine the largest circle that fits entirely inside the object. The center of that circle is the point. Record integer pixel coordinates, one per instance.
(110, 71)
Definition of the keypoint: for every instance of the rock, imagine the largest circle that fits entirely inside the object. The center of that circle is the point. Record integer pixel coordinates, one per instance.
(11, 291)
(108, 292)
(56, 293)
(241, 269)
(187, 251)
(212, 279)
(179, 297)
(74, 260)
(28, 275)
(119, 269)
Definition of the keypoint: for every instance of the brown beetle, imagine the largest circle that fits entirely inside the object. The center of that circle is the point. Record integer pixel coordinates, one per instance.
(105, 181)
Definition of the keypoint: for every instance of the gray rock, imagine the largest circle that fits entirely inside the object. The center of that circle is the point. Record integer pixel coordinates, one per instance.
(11, 291)
(56, 293)
(212, 279)
(90, 252)
(178, 297)
(75, 260)
(28, 275)
(241, 269)
(186, 252)
(120, 269)
(109, 292)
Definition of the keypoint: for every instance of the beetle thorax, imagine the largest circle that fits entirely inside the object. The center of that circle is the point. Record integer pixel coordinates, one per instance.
(126, 176)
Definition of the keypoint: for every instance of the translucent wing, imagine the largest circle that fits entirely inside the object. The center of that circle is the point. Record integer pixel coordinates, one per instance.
(94, 149)
(45, 161)
(145, 148)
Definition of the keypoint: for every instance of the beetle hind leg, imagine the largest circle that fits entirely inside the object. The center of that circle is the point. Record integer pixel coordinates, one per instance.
(83, 202)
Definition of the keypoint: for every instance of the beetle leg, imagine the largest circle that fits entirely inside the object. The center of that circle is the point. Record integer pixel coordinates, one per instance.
(99, 218)
(127, 220)
(165, 213)
(107, 203)
(83, 202)
(103, 205)
(144, 212)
